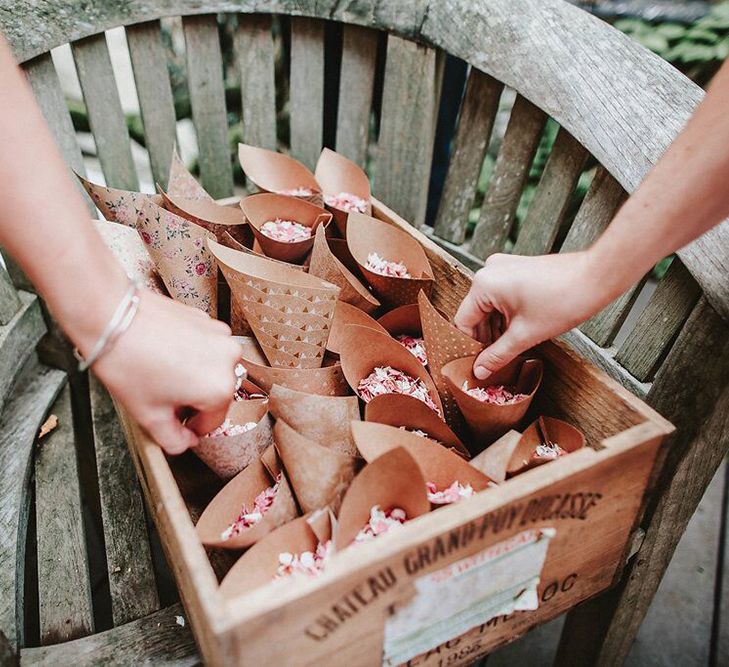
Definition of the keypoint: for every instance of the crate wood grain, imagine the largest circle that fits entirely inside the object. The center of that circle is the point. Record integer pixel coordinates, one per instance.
(593, 499)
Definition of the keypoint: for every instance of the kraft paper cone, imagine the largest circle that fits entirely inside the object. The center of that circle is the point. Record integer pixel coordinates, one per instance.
(486, 420)
(403, 320)
(209, 215)
(183, 260)
(336, 174)
(364, 349)
(327, 267)
(391, 480)
(258, 566)
(410, 413)
(444, 342)
(494, 460)
(328, 380)
(182, 183)
(344, 315)
(227, 455)
(319, 475)
(261, 208)
(544, 428)
(253, 388)
(323, 419)
(225, 507)
(129, 250)
(122, 206)
(340, 250)
(367, 235)
(277, 173)
(439, 465)
(306, 303)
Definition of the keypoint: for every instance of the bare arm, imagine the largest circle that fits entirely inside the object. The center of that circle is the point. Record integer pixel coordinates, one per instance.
(532, 299)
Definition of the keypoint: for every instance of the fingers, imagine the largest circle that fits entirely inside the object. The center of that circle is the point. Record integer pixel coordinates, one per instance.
(170, 434)
(497, 355)
(208, 420)
(474, 310)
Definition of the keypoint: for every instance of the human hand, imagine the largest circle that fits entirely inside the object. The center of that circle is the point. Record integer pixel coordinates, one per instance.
(172, 360)
(516, 302)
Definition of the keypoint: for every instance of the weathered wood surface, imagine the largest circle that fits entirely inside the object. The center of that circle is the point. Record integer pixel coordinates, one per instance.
(507, 182)
(149, 62)
(356, 87)
(104, 109)
(9, 299)
(255, 52)
(207, 98)
(129, 562)
(19, 424)
(604, 326)
(405, 144)
(64, 593)
(721, 649)
(478, 111)
(154, 640)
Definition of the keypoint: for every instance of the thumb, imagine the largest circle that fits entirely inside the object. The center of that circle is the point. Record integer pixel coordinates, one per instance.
(172, 435)
(497, 355)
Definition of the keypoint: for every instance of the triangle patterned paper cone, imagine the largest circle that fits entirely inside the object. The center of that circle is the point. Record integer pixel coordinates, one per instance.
(489, 421)
(323, 419)
(257, 283)
(240, 492)
(182, 183)
(319, 475)
(346, 314)
(527, 455)
(178, 249)
(339, 176)
(327, 267)
(227, 455)
(278, 173)
(367, 237)
(209, 215)
(122, 206)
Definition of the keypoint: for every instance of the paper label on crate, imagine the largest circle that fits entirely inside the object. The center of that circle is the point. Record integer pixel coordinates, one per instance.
(496, 581)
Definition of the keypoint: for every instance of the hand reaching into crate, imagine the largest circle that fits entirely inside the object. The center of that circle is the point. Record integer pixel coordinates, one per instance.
(516, 302)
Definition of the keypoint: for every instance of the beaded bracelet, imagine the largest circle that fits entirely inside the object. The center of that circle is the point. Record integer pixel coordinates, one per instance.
(118, 324)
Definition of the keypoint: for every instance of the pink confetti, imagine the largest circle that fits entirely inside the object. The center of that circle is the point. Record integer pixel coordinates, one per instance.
(383, 267)
(497, 394)
(300, 191)
(229, 428)
(452, 494)
(380, 523)
(346, 201)
(388, 380)
(310, 563)
(548, 450)
(287, 231)
(245, 395)
(415, 345)
(247, 518)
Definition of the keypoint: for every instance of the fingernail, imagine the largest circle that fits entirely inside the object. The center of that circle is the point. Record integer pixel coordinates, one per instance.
(481, 372)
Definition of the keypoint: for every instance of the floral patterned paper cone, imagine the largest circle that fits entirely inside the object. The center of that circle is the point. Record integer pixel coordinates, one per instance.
(439, 465)
(391, 480)
(536, 445)
(346, 314)
(128, 248)
(122, 206)
(259, 565)
(279, 174)
(345, 186)
(209, 215)
(411, 414)
(327, 267)
(241, 492)
(323, 419)
(444, 342)
(182, 183)
(260, 284)
(183, 260)
(227, 455)
(368, 238)
(319, 475)
(489, 421)
(263, 208)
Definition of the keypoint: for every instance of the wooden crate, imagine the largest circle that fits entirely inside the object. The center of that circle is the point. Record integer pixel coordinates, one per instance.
(591, 499)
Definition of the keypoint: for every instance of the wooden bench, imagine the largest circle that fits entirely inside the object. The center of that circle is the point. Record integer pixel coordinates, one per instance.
(617, 106)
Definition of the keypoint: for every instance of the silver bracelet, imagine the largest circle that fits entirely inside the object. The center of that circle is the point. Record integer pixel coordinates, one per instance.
(118, 324)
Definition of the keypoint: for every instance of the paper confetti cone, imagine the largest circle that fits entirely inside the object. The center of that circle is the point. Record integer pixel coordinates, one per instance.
(179, 251)
(327, 267)
(391, 480)
(323, 419)
(122, 206)
(319, 475)
(345, 314)
(209, 215)
(494, 460)
(262, 208)
(527, 453)
(273, 296)
(227, 455)
(367, 237)
(182, 183)
(489, 421)
(339, 176)
(279, 174)
(241, 492)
